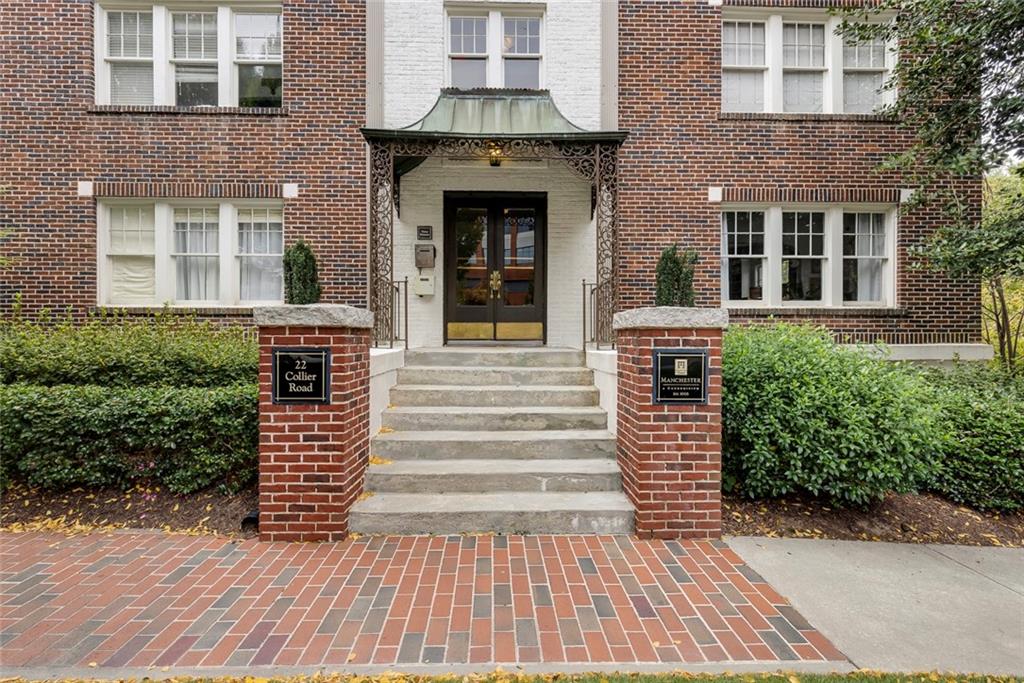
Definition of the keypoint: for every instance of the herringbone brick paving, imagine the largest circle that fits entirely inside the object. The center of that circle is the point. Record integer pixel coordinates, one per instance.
(130, 599)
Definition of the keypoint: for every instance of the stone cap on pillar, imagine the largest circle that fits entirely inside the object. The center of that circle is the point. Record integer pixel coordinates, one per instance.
(671, 318)
(312, 315)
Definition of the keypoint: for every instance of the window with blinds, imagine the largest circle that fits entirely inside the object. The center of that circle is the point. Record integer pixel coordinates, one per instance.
(167, 55)
(130, 57)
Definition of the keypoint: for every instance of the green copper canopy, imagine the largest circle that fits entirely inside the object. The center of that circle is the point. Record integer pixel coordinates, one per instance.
(495, 113)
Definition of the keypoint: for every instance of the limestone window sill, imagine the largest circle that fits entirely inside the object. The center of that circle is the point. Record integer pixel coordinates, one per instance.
(201, 111)
(817, 311)
(779, 116)
(240, 311)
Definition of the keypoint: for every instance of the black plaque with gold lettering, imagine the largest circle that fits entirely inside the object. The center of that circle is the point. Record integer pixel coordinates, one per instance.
(680, 376)
(300, 375)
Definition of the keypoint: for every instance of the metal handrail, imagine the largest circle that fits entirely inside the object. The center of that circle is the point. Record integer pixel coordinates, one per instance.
(399, 327)
(590, 314)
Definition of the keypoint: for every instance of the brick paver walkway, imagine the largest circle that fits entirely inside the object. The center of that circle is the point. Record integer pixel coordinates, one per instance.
(142, 599)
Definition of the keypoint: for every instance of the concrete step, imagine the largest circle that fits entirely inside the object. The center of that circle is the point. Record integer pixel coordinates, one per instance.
(492, 395)
(505, 513)
(454, 374)
(421, 418)
(498, 356)
(493, 476)
(521, 445)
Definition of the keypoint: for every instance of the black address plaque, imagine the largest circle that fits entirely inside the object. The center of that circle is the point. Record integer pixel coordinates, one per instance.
(680, 376)
(300, 375)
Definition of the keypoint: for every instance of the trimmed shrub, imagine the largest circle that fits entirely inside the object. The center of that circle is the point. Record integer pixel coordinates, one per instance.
(301, 281)
(982, 461)
(674, 278)
(185, 438)
(801, 414)
(117, 351)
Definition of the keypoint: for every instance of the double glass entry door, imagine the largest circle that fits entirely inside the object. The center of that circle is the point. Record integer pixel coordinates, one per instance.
(494, 267)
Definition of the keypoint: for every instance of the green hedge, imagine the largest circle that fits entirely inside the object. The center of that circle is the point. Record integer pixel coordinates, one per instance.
(982, 460)
(185, 438)
(801, 414)
(112, 350)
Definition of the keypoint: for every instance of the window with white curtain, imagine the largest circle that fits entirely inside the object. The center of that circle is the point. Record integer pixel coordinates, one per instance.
(260, 250)
(213, 55)
(130, 56)
(196, 253)
(864, 256)
(743, 65)
(190, 253)
(816, 256)
(494, 49)
(864, 71)
(796, 62)
(803, 67)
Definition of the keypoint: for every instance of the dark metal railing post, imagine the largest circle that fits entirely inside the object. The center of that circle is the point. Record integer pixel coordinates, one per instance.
(405, 323)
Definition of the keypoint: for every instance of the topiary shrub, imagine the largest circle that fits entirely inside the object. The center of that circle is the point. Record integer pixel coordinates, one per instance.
(982, 462)
(118, 351)
(301, 282)
(801, 414)
(184, 438)
(674, 278)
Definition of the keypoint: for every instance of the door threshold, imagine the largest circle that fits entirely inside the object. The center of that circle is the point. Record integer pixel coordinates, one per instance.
(493, 342)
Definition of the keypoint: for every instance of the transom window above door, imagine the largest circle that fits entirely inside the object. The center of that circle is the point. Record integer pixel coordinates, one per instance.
(217, 55)
(798, 63)
(816, 256)
(494, 49)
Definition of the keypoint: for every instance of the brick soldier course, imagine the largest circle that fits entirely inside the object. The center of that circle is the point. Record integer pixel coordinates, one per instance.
(670, 455)
(313, 456)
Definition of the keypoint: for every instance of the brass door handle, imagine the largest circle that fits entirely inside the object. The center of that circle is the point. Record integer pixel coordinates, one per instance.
(495, 283)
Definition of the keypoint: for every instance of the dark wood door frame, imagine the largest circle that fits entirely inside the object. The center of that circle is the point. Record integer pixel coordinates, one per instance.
(496, 200)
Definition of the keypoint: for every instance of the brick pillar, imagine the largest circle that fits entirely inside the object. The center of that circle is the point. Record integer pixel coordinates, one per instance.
(313, 454)
(670, 454)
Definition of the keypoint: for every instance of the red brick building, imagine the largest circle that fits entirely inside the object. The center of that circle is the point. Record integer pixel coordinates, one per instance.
(153, 155)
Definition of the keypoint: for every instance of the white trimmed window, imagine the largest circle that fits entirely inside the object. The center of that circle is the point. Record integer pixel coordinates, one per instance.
(743, 65)
(795, 62)
(815, 256)
(218, 55)
(494, 49)
(129, 50)
(190, 253)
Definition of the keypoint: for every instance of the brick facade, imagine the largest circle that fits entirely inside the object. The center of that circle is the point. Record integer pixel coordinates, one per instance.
(313, 456)
(670, 455)
(681, 144)
(53, 136)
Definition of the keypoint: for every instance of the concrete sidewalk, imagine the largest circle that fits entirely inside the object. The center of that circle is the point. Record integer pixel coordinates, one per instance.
(903, 607)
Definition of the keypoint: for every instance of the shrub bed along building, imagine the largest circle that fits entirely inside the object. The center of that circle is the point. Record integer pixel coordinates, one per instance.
(118, 401)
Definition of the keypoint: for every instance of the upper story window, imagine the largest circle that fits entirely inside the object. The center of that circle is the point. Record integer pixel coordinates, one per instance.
(222, 56)
(494, 50)
(808, 256)
(191, 253)
(795, 64)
